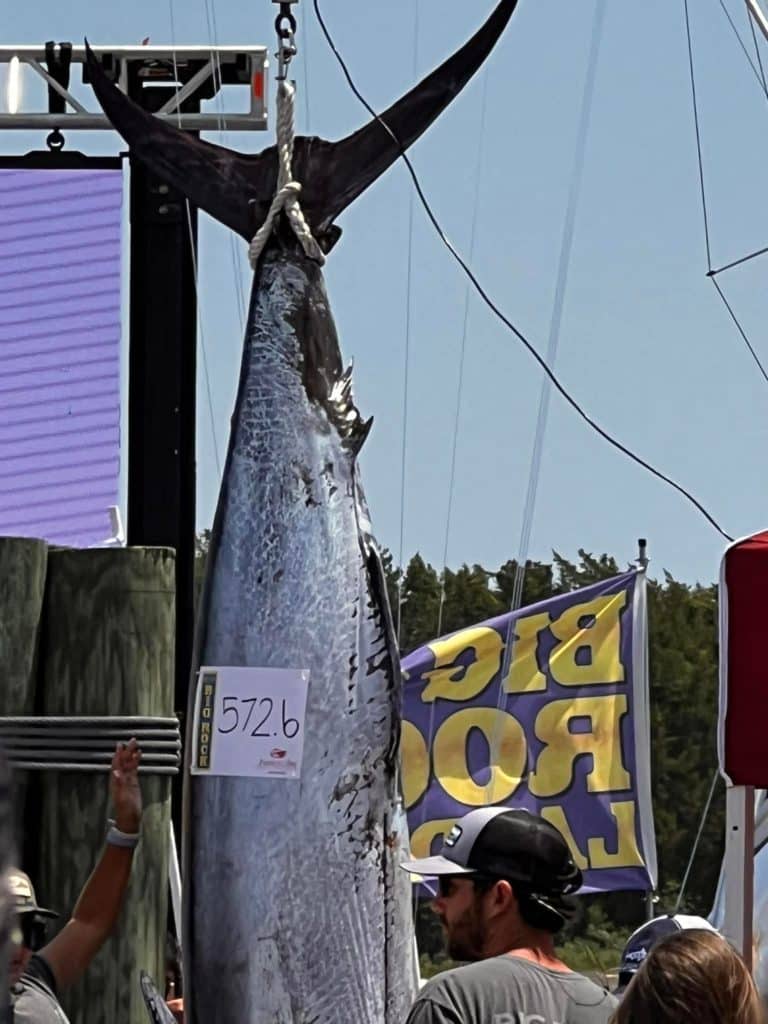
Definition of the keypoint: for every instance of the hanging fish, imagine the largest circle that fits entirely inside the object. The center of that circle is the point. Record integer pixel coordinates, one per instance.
(295, 911)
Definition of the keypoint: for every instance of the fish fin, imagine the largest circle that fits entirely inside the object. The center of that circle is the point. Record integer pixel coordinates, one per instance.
(221, 182)
(346, 168)
(237, 188)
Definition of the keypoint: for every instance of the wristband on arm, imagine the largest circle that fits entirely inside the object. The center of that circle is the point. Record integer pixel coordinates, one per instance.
(115, 837)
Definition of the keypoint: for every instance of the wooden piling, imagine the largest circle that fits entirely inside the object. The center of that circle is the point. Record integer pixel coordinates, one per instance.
(108, 649)
(23, 565)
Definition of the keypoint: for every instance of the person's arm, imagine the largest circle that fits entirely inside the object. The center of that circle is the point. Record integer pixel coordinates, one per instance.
(98, 908)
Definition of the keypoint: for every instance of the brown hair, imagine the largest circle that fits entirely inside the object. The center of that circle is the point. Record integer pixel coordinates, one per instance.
(694, 975)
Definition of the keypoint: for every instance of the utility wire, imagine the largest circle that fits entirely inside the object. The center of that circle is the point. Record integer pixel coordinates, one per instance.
(495, 309)
(305, 67)
(697, 840)
(463, 351)
(711, 274)
(737, 263)
(537, 452)
(195, 277)
(740, 329)
(406, 366)
(698, 133)
(566, 247)
(743, 46)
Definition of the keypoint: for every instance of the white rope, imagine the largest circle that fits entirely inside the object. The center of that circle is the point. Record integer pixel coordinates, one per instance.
(286, 197)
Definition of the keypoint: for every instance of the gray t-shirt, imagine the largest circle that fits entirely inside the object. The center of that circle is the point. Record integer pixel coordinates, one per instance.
(511, 990)
(34, 999)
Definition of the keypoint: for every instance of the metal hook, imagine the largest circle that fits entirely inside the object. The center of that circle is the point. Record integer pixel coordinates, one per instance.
(284, 56)
(285, 26)
(55, 141)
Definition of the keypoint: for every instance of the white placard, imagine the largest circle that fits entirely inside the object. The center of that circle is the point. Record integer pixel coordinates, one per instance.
(250, 722)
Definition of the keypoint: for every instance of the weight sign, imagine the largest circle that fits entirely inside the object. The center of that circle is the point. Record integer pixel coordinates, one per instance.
(250, 722)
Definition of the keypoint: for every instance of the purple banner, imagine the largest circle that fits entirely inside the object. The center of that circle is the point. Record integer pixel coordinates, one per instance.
(557, 723)
(60, 292)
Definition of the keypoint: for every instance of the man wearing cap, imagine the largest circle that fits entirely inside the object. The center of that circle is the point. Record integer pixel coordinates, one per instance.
(504, 879)
(38, 971)
(643, 939)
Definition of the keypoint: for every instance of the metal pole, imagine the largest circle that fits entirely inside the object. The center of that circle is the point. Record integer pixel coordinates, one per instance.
(738, 869)
(162, 385)
(642, 555)
(642, 561)
(757, 14)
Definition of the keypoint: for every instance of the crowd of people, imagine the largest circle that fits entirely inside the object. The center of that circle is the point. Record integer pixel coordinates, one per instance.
(506, 880)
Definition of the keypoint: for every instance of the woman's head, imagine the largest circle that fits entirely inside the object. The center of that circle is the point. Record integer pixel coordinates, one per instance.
(694, 975)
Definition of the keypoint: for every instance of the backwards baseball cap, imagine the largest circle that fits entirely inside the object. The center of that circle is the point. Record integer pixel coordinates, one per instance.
(23, 894)
(641, 942)
(511, 844)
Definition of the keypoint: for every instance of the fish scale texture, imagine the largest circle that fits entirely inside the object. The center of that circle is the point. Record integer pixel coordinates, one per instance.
(296, 910)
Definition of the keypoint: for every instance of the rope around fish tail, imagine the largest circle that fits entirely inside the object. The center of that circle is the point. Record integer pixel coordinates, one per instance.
(286, 197)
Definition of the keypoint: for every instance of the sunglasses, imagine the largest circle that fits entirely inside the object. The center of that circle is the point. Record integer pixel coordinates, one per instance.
(445, 882)
(33, 931)
(478, 880)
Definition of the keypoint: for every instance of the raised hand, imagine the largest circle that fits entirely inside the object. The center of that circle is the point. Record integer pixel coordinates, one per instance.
(124, 786)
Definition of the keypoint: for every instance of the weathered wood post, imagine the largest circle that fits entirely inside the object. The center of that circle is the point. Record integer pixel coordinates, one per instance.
(108, 649)
(23, 564)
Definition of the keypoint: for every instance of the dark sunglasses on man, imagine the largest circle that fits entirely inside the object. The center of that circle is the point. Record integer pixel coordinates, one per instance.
(33, 931)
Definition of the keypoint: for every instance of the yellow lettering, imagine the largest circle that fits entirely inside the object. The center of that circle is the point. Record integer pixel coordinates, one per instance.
(415, 762)
(524, 675)
(555, 764)
(627, 854)
(556, 816)
(203, 762)
(425, 835)
(207, 689)
(452, 681)
(590, 632)
(506, 743)
(206, 712)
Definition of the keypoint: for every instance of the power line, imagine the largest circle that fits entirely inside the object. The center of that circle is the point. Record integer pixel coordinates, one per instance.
(740, 329)
(737, 263)
(495, 309)
(195, 272)
(406, 366)
(698, 133)
(711, 274)
(742, 44)
(537, 453)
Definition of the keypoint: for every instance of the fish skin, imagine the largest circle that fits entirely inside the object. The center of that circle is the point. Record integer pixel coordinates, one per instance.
(307, 916)
(295, 909)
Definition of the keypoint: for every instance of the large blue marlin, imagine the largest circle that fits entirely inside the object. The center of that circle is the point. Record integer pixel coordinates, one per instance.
(295, 910)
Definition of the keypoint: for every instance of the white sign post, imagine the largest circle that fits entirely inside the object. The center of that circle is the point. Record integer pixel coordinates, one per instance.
(249, 722)
(739, 869)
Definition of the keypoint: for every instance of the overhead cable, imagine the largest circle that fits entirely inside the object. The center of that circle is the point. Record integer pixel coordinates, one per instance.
(495, 309)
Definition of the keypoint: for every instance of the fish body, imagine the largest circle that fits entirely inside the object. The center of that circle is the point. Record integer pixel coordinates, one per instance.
(295, 909)
(307, 916)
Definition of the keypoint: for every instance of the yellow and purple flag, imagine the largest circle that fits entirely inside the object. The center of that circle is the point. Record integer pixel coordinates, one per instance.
(544, 708)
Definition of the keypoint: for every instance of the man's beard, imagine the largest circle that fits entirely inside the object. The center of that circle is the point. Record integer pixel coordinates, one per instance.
(465, 941)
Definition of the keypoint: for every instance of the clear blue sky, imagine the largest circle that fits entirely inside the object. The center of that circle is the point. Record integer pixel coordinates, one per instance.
(645, 345)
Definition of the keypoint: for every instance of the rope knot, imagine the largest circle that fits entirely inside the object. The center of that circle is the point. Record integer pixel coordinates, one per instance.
(286, 196)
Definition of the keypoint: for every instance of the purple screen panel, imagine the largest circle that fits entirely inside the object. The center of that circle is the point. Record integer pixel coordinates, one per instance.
(60, 244)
